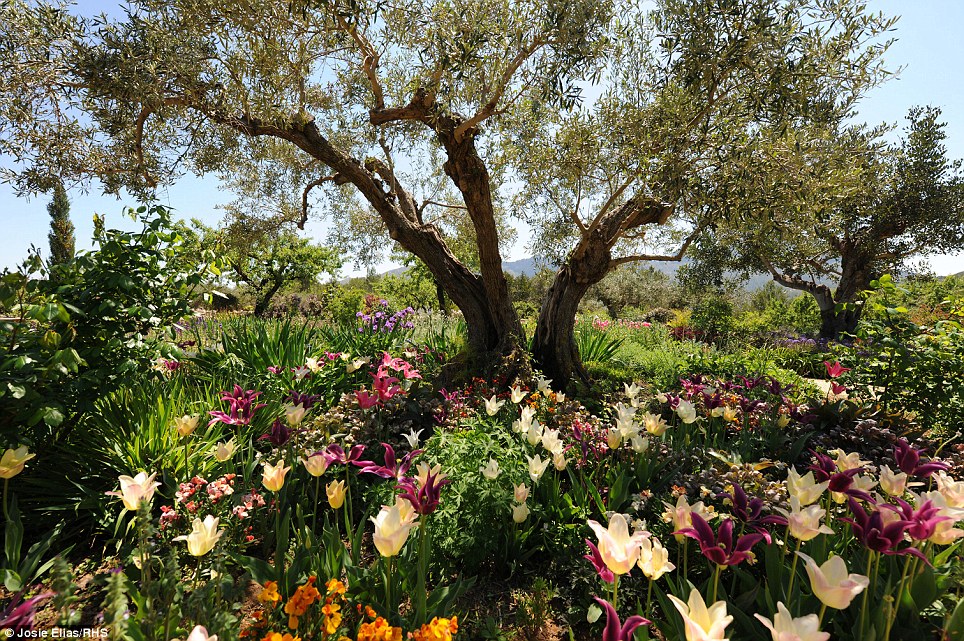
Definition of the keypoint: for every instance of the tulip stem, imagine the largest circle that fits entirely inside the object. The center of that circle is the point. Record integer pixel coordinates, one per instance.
(615, 590)
(314, 517)
(421, 605)
(823, 610)
(6, 515)
(649, 595)
(793, 573)
(716, 581)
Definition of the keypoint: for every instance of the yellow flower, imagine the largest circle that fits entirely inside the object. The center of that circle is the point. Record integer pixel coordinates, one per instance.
(186, 424)
(336, 494)
(654, 559)
(619, 550)
(269, 593)
(273, 476)
(437, 630)
(334, 586)
(379, 630)
(13, 461)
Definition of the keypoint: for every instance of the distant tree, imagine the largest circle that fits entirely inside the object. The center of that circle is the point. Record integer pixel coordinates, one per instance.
(829, 212)
(266, 259)
(61, 236)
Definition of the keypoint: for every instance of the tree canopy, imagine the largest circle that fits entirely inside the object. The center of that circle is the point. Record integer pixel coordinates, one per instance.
(595, 121)
(828, 212)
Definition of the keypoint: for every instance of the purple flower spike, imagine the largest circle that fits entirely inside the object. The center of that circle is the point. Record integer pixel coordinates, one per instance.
(597, 562)
(616, 630)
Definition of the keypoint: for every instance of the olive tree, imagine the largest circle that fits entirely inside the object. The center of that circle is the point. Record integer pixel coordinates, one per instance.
(356, 108)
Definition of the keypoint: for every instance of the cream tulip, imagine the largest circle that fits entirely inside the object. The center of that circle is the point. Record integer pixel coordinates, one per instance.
(273, 476)
(295, 414)
(832, 584)
(186, 424)
(336, 494)
(200, 633)
(13, 461)
(702, 623)
(224, 451)
(681, 515)
(516, 395)
(392, 526)
(559, 461)
(654, 424)
(804, 522)
(491, 470)
(521, 493)
(654, 559)
(619, 550)
(520, 512)
(537, 467)
(204, 534)
(785, 628)
(315, 464)
(805, 488)
(137, 489)
(686, 412)
(493, 405)
(895, 484)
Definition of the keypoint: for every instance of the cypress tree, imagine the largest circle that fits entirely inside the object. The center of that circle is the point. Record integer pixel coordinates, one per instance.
(61, 236)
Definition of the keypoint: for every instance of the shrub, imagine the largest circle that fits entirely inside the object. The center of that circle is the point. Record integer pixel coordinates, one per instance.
(84, 327)
(713, 316)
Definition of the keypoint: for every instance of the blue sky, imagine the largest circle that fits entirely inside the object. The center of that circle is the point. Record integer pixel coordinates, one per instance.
(930, 48)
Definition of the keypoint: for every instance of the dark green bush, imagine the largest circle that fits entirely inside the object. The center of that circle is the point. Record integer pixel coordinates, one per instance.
(81, 329)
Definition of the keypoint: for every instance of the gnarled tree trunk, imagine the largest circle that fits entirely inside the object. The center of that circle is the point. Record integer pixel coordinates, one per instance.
(554, 342)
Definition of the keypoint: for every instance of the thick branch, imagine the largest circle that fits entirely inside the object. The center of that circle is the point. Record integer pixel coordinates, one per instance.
(788, 280)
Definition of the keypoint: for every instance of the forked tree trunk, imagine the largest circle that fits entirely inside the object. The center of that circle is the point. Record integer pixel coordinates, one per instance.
(554, 342)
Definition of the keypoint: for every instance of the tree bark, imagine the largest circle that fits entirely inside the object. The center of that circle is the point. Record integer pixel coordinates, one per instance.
(493, 326)
(554, 342)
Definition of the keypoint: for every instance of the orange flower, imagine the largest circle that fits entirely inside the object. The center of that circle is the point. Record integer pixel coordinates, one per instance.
(370, 612)
(334, 586)
(269, 593)
(277, 636)
(332, 617)
(437, 630)
(379, 630)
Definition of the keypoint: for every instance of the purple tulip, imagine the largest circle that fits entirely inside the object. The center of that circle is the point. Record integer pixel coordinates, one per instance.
(616, 630)
(242, 407)
(597, 562)
(923, 520)
(720, 547)
(391, 469)
(278, 435)
(424, 496)
(749, 510)
(908, 460)
(334, 453)
(870, 530)
(18, 617)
